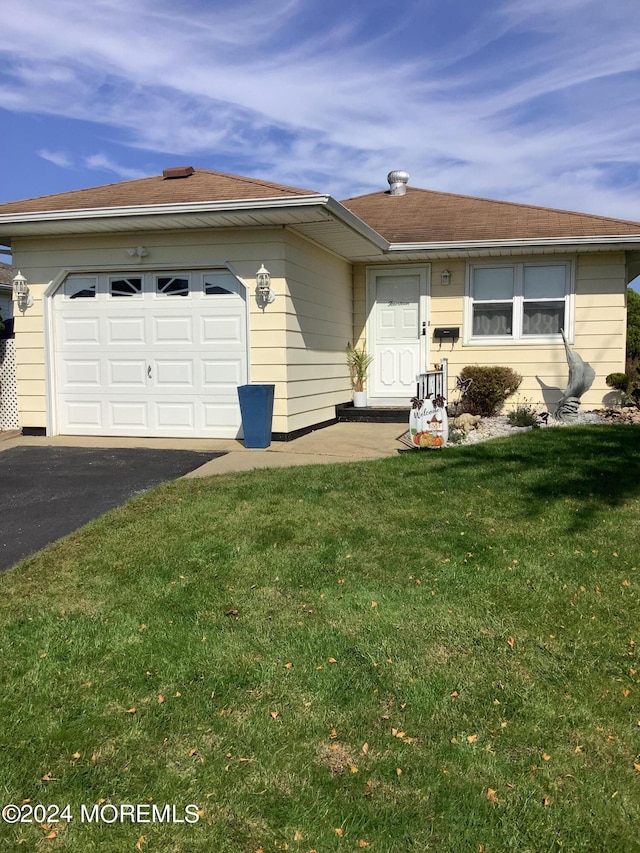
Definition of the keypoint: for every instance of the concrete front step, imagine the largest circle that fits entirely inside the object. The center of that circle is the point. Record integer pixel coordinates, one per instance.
(347, 413)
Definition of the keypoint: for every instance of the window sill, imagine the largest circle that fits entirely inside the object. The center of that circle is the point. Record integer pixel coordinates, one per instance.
(530, 340)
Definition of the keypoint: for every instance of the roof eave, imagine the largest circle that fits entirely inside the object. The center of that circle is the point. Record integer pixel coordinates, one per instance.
(619, 241)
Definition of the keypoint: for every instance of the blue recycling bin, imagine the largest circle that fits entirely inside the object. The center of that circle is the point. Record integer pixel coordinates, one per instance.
(256, 409)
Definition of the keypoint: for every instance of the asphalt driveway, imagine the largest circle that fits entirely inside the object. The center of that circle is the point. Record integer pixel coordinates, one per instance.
(48, 492)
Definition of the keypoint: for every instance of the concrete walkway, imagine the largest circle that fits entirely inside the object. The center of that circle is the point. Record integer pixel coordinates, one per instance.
(344, 442)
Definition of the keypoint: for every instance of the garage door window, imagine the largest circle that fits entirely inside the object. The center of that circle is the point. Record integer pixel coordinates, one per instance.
(125, 287)
(172, 286)
(77, 287)
(220, 283)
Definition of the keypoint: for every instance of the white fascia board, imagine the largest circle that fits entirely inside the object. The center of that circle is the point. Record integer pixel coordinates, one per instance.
(537, 242)
(233, 206)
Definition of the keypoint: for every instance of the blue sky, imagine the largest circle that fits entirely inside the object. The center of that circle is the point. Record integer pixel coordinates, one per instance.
(536, 101)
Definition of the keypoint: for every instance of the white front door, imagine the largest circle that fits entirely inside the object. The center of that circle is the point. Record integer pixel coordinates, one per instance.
(150, 354)
(397, 332)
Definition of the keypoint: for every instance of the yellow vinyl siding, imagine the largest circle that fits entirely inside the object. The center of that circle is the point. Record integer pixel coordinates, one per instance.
(599, 328)
(319, 324)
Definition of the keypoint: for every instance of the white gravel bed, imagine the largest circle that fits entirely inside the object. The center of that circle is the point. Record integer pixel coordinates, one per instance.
(500, 426)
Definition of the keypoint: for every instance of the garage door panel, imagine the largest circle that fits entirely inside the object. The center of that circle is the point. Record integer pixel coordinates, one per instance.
(217, 415)
(125, 330)
(227, 330)
(82, 414)
(221, 374)
(171, 373)
(79, 330)
(129, 373)
(174, 415)
(150, 367)
(81, 372)
(127, 415)
(172, 330)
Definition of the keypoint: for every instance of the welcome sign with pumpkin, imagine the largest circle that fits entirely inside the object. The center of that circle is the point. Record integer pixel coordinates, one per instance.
(428, 423)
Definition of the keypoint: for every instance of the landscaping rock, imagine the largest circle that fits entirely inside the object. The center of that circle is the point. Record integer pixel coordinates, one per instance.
(467, 422)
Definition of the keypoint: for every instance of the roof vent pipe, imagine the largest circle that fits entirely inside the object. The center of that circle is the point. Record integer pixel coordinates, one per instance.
(398, 182)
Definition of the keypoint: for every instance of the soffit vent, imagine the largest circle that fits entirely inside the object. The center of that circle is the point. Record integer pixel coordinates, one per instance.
(178, 172)
(398, 182)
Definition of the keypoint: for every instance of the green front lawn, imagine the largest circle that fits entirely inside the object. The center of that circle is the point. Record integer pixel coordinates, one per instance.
(438, 651)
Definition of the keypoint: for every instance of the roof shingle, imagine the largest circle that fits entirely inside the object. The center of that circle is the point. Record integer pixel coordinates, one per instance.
(203, 185)
(427, 216)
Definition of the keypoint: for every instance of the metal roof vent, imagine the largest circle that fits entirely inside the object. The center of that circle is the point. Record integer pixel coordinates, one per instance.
(178, 172)
(398, 182)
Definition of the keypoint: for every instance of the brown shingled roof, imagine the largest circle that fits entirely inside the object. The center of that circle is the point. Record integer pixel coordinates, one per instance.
(201, 186)
(426, 216)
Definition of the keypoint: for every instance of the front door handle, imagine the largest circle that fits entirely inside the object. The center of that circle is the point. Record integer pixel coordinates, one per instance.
(424, 327)
(149, 371)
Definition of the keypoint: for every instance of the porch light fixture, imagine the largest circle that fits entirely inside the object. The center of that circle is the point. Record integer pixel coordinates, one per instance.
(138, 253)
(21, 291)
(445, 277)
(264, 294)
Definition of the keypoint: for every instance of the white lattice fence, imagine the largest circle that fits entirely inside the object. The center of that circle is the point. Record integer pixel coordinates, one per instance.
(8, 386)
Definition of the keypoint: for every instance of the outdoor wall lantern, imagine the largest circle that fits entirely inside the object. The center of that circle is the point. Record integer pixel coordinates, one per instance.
(21, 291)
(445, 277)
(264, 294)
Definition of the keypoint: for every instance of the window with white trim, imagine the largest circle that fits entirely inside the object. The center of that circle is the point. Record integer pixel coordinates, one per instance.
(518, 302)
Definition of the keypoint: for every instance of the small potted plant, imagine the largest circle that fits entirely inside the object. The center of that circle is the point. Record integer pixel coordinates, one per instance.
(358, 361)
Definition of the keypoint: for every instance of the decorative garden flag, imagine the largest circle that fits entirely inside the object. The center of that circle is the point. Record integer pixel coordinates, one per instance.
(428, 423)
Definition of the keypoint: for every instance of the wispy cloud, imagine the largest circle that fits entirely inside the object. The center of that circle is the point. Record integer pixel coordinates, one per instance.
(58, 158)
(524, 99)
(102, 163)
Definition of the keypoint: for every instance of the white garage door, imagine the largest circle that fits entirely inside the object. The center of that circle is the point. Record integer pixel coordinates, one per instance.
(150, 354)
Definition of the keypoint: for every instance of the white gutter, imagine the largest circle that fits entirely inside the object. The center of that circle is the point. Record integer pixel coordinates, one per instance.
(514, 244)
(163, 209)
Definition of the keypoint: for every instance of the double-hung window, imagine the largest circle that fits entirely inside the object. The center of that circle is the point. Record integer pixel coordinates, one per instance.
(526, 302)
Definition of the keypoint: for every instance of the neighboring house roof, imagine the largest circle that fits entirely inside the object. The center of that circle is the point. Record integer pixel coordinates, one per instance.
(6, 277)
(200, 185)
(426, 216)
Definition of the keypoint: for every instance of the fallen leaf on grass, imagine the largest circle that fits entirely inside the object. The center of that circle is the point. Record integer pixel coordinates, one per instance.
(131, 711)
(339, 831)
(53, 834)
(140, 842)
(491, 795)
(546, 802)
(297, 836)
(288, 666)
(636, 767)
(398, 771)
(76, 755)
(365, 748)
(511, 642)
(274, 714)
(472, 738)
(363, 843)
(332, 660)
(546, 756)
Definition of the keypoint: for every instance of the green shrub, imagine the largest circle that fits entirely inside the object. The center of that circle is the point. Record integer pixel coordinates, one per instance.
(628, 385)
(489, 388)
(619, 381)
(524, 415)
